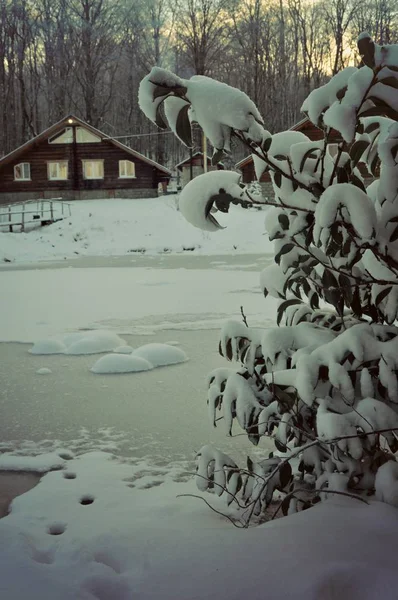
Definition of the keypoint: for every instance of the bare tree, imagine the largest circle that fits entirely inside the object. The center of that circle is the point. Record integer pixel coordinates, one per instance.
(202, 33)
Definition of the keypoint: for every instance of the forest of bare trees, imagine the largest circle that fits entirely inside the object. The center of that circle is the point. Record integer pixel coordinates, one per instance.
(87, 57)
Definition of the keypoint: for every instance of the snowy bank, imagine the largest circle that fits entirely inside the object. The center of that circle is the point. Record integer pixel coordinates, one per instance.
(116, 531)
(128, 227)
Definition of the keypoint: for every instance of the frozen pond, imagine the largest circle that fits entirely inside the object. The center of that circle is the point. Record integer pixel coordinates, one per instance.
(158, 413)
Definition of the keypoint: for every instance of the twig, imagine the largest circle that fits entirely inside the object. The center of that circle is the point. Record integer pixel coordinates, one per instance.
(242, 526)
(243, 316)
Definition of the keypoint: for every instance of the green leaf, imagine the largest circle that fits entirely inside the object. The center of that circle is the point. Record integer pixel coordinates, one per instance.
(183, 126)
(314, 301)
(342, 175)
(390, 81)
(279, 446)
(372, 127)
(383, 294)
(283, 306)
(266, 144)
(285, 505)
(357, 182)
(394, 151)
(336, 234)
(394, 235)
(341, 93)
(285, 474)
(307, 155)
(329, 280)
(249, 463)
(284, 221)
(278, 179)
(366, 49)
(160, 90)
(380, 111)
(160, 122)
(346, 288)
(284, 250)
(374, 166)
(355, 304)
(357, 150)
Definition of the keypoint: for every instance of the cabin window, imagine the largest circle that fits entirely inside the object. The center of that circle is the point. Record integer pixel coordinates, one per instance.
(93, 169)
(83, 136)
(22, 172)
(63, 137)
(126, 169)
(57, 170)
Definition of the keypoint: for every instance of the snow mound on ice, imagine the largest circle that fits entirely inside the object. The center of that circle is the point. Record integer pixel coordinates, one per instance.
(121, 363)
(43, 371)
(94, 342)
(87, 342)
(48, 347)
(161, 355)
(123, 350)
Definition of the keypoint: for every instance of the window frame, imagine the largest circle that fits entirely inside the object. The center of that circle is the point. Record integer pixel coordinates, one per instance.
(125, 160)
(23, 178)
(57, 162)
(93, 160)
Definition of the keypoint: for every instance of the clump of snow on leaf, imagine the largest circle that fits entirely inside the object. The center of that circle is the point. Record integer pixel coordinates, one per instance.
(321, 98)
(231, 108)
(196, 198)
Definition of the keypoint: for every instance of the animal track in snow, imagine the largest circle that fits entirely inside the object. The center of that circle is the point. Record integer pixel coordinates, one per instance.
(86, 500)
(56, 528)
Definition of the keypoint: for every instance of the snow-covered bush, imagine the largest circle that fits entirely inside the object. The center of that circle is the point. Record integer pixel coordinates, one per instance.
(323, 382)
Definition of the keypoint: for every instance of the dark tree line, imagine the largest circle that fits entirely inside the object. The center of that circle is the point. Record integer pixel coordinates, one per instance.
(88, 57)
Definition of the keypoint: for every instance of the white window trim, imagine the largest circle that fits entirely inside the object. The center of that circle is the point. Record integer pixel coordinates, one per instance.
(57, 162)
(22, 178)
(92, 160)
(127, 176)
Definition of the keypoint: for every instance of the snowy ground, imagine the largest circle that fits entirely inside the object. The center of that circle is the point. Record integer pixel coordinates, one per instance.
(107, 521)
(129, 227)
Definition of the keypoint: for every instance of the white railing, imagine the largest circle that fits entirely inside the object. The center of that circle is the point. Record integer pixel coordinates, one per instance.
(33, 212)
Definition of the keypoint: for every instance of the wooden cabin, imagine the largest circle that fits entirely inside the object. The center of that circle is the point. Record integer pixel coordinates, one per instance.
(246, 165)
(73, 160)
(197, 162)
